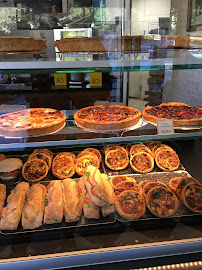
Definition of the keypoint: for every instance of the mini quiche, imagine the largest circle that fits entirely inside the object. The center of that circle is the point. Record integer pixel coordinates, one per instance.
(192, 197)
(64, 165)
(167, 160)
(127, 185)
(34, 170)
(117, 159)
(84, 161)
(117, 179)
(142, 162)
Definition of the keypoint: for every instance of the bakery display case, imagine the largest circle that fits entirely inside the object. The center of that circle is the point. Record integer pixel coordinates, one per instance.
(101, 135)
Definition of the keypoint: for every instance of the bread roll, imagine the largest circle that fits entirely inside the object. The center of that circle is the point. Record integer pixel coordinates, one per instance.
(11, 214)
(2, 197)
(72, 201)
(32, 214)
(54, 209)
(109, 208)
(90, 210)
(95, 187)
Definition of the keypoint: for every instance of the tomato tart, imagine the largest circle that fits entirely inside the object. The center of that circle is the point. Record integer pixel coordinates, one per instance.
(84, 161)
(110, 117)
(182, 114)
(167, 160)
(117, 159)
(162, 202)
(117, 179)
(142, 162)
(34, 170)
(130, 204)
(64, 165)
(35, 121)
(192, 197)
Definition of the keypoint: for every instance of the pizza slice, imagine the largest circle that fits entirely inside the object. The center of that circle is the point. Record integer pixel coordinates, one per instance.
(142, 162)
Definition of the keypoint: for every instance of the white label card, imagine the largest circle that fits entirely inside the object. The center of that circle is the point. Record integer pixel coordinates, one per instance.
(165, 126)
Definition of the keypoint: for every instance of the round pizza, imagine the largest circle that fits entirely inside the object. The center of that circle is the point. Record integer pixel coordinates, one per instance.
(64, 165)
(127, 185)
(117, 179)
(34, 121)
(151, 185)
(182, 183)
(130, 205)
(117, 159)
(167, 160)
(91, 150)
(192, 197)
(83, 162)
(142, 162)
(34, 170)
(110, 117)
(45, 151)
(162, 202)
(181, 114)
(42, 156)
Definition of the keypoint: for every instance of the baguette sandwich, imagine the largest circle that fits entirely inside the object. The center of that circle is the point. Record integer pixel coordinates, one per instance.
(11, 214)
(110, 207)
(2, 197)
(95, 187)
(32, 214)
(72, 201)
(54, 207)
(90, 210)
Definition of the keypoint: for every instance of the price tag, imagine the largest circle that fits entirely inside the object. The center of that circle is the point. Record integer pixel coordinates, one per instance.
(60, 79)
(165, 126)
(96, 79)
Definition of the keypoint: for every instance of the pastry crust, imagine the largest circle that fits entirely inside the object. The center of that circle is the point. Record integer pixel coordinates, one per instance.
(151, 185)
(140, 148)
(34, 170)
(33, 210)
(11, 214)
(30, 122)
(192, 197)
(72, 201)
(110, 117)
(167, 160)
(127, 185)
(142, 162)
(162, 202)
(117, 159)
(21, 44)
(91, 150)
(45, 151)
(130, 205)
(116, 179)
(64, 165)
(42, 156)
(182, 183)
(54, 209)
(181, 114)
(83, 162)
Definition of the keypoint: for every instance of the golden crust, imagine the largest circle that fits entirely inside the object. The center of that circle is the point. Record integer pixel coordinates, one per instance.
(177, 123)
(42, 156)
(117, 159)
(64, 165)
(91, 150)
(127, 185)
(46, 151)
(107, 124)
(167, 160)
(116, 179)
(31, 176)
(182, 183)
(133, 203)
(142, 159)
(83, 162)
(150, 185)
(195, 190)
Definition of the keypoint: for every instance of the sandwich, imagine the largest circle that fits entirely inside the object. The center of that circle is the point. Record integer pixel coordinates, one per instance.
(72, 201)
(95, 187)
(11, 214)
(90, 210)
(2, 197)
(10, 168)
(109, 208)
(54, 203)
(33, 210)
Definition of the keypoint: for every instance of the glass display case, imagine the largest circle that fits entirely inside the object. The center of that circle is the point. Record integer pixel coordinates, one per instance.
(133, 56)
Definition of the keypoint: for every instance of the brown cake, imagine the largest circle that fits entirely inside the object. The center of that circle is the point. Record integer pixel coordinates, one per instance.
(21, 44)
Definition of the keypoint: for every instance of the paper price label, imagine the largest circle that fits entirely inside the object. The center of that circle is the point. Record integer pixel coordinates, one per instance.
(165, 127)
(60, 79)
(96, 79)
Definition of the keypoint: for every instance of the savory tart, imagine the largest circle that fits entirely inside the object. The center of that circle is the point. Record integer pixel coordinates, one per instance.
(145, 182)
(173, 183)
(181, 114)
(117, 159)
(42, 156)
(35, 121)
(91, 150)
(34, 170)
(117, 179)
(142, 162)
(45, 151)
(140, 148)
(192, 197)
(167, 160)
(161, 202)
(153, 146)
(161, 147)
(110, 117)
(64, 165)
(83, 162)
(182, 183)
(151, 185)
(130, 205)
(127, 185)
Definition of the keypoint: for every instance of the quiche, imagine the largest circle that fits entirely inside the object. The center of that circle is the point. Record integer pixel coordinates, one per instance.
(34, 170)
(192, 197)
(112, 117)
(142, 162)
(84, 161)
(117, 179)
(64, 165)
(30, 122)
(117, 159)
(91, 150)
(167, 160)
(162, 202)
(45, 151)
(42, 156)
(127, 185)
(151, 185)
(181, 114)
(182, 183)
